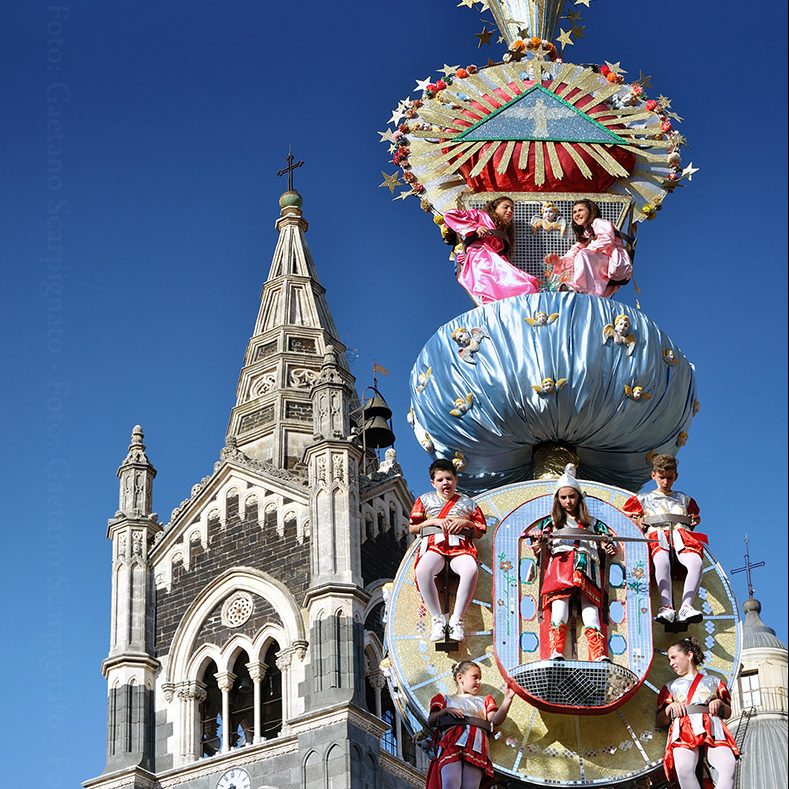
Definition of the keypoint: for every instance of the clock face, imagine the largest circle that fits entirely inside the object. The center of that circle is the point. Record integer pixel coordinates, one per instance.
(235, 778)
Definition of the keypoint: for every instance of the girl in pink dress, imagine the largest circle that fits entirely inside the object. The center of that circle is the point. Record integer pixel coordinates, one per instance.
(463, 721)
(597, 263)
(488, 236)
(692, 706)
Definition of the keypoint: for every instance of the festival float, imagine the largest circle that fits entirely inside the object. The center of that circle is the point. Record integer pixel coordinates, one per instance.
(554, 372)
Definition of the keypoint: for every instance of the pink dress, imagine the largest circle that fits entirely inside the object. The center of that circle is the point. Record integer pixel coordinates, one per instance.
(601, 267)
(484, 271)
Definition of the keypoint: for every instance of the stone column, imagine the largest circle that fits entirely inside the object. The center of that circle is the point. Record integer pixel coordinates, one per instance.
(191, 695)
(225, 681)
(377, 680)
(257, 671)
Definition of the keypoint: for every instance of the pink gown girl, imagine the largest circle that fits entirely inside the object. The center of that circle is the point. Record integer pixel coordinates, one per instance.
(601, 267)
(484, 271)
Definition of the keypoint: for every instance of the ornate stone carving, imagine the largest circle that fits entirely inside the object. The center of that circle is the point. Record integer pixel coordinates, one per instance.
(338, 468)
(257, 671)
(237, 609)
(231, 452)
(377, 680)
(168, 689)
(137, 538)
(321, 469)
(225, 680)
(302, 378)
(265, 384)
(192, 691)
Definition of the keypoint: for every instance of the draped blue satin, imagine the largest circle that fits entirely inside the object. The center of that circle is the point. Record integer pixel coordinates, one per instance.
(610, 433)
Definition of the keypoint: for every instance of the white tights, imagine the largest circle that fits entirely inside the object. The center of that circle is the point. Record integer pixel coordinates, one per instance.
(685, 759)
(691, 562)
(430, 565)
(460, 775)
(560, 612)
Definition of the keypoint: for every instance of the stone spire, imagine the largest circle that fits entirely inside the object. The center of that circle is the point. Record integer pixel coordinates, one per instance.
(130, 668)
(272, 420)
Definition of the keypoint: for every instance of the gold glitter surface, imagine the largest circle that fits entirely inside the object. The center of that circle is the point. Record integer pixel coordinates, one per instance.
(579, 162)
(523, 159)
(504, 163)
(545, 746)
(485, 158)
(556, 167)
(539, 164)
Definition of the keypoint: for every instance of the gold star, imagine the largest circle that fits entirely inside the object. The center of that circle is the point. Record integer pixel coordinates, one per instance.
(484, 36)
(421, 84)
(578, 31)
(564, 38)
(483, 5)
(689, 171)
(386, 136)
(500, 40)
(615, 67)
(392, 148)
(644, 80)
(390, 182)
(582, 2)
(664, 101)
(447, 70)
(403, 195)
(467, 3)
(573, 16)
(677, 118)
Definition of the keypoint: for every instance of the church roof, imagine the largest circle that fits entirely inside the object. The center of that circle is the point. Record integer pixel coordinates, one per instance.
(763, 738)
(755, 634)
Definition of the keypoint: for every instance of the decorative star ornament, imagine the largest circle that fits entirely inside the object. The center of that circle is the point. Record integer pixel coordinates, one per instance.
(573, 16)
(689, 171)
(664, 101)
(386, 136)
(467, 3)
(483, 5)
(448, 70)
(484, 36)
(421, 84)
(644, 79)
(677, 118)
(390, 182)
(615, 67)
(578, 31)
(403, 195)
(564, 38)
(582, 2)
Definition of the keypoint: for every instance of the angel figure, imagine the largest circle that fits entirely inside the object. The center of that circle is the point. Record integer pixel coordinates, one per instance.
(462, 405)
(541, 319)
(426, 442)
(469, 341)
(549, 386)
(459, 461)
(619, 332)
(423, 379)
(670, 358)
(696, 407)
(682, 438)
(637, 393)
(549, 220)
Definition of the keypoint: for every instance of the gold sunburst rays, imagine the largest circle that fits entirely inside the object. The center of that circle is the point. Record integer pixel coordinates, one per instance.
(553, 158)
(604, 159)
(523, 159)
(539, 164)
(578, 159)
(485, 158)
(504, 163)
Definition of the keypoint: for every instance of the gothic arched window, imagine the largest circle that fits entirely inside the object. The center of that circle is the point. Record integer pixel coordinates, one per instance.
(210, 713)
(271, 695)
(242, 704)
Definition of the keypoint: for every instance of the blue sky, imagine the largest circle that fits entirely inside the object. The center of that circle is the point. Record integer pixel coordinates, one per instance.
(159, 197)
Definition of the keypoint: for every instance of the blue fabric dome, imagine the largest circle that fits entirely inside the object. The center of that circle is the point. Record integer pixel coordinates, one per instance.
(612, 402)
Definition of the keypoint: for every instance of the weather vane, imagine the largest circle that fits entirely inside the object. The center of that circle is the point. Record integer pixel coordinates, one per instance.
(748, 567)
(290, 168)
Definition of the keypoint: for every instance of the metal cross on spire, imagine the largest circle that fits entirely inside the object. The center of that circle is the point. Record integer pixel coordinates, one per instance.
(290, 168)
(748, 567)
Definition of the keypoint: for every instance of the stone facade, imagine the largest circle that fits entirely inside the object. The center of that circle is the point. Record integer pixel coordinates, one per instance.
(246, 632)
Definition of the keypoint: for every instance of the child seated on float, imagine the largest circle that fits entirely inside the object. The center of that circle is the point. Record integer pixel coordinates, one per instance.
(656, 513)
(597, 263)
(463, 721)
(448, 523)
(573, 567)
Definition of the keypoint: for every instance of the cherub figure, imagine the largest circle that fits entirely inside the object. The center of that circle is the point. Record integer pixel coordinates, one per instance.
(682, 438)
(426, 442)
(619, 333)
(549, 220)
(670, 358)
(462, 405)
(637, 393)
(549, 386)
(423, 379)
(459, 461)
(469, 342)
(541, 319)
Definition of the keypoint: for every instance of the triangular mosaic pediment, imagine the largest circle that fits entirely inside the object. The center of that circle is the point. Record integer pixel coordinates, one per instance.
(540, 116)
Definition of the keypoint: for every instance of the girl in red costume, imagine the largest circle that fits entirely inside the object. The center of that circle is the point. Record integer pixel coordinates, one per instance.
(692, 707)
(463, 721)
